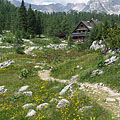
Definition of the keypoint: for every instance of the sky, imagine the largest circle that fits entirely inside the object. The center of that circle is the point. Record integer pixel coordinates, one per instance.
(46, 2)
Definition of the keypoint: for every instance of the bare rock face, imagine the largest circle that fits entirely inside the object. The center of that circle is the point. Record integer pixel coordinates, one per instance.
(31, 113)
(63, 103)
(6, 64)
(42, 106)
(111, 60)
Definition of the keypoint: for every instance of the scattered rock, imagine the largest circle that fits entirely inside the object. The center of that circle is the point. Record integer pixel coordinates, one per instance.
(6, 64)
(28, 93)
(6, 47)
(2, 89)
(65, 89)
(42, 106)
(23, 88)
(85, 108)
(28, 105)
(63, 103)
(29, 41)
(110, 99)
(97, 45)
(111, 60)
(38, 67)
(97, 72)
(31, 113)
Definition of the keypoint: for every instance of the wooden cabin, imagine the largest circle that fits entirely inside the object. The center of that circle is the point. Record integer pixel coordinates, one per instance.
(83, 30)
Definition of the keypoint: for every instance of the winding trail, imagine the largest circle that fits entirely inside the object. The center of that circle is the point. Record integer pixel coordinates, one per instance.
(105, 97)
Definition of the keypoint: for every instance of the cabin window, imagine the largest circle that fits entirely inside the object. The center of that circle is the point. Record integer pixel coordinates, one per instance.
(81, 25)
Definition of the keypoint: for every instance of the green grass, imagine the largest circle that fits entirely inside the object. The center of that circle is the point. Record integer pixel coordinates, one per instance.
(43, 91)
(89, 62)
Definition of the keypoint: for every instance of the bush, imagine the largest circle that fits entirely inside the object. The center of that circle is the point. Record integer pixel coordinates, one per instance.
(18, 44)
(56, 40)
(70, 42)
(9, 38)
(24, 73)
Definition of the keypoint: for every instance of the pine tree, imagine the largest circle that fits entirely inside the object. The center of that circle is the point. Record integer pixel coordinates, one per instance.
(31, 21)
(1, 23)
(38, 24)
(22, 17)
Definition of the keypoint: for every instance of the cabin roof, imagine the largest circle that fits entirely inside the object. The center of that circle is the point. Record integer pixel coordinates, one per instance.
(88, 24)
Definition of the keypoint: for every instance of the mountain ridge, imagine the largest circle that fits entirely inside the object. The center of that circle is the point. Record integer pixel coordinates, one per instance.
(98, 6)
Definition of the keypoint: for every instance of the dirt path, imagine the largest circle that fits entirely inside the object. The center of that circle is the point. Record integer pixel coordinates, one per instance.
(105, 97)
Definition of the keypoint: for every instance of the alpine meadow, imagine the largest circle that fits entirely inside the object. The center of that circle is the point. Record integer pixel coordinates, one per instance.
(60, 62)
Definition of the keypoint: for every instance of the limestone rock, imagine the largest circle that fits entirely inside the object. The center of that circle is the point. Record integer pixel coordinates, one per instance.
(97, 45)
(42, 106)
(74, 78)
(111, 60)
(65, 89)
(110, 99)
(63, 103)
(2, 89)
(95, 72)
(23, 88)
(28, 105)
(6, 64)
(28, 93)
(31, 113)
(85, 108)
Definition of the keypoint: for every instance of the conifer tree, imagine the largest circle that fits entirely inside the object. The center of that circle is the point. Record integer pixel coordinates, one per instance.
(31, 21)
(38, 24)
(22, 17)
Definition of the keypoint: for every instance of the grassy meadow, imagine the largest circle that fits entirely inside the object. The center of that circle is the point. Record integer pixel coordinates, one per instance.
(63, 63)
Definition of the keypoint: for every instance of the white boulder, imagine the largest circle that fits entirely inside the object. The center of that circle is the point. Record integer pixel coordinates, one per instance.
(85, 108)
(42, 106)
(28, 93)
(2, 89)
(6, 64)
(111, 60)
(97, 45)
(65, 89)
(110, 99)
(28, 105)
(97, 72)
(31, 113)
(23, 88)
(63, 103)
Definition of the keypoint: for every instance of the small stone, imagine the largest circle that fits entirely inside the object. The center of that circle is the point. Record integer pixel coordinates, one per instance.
(42, 106)
(63, 103)
(65, 89)
(28, 105)
(85, 108)
(95, 72)
(23, 88)
(28, 93)
(110, 100)
(2, 89)
(31, 113)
